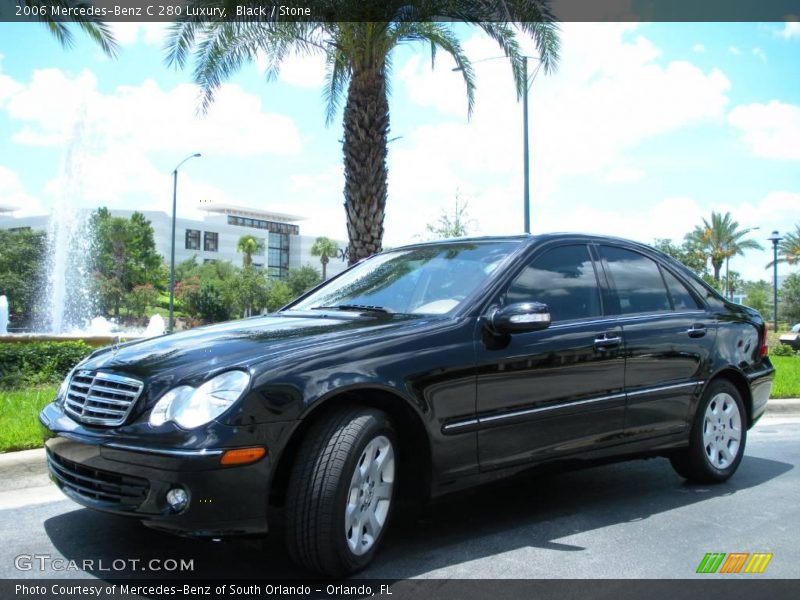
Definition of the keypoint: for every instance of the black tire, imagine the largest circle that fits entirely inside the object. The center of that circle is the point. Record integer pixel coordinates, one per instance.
(319, 489)
(701, 463)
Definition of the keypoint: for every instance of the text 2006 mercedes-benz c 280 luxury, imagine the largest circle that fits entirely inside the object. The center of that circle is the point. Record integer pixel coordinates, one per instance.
(417, 372)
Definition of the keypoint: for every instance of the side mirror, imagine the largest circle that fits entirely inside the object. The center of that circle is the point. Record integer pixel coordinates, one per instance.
(519, 317)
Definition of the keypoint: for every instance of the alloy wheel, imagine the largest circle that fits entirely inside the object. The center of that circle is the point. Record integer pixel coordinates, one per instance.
(370, 495)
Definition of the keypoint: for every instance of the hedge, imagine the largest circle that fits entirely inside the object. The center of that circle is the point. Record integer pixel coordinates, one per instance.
(38, 363)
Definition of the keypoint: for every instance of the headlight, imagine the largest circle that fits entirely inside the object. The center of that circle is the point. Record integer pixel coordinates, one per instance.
(191, 407)
(62, 390)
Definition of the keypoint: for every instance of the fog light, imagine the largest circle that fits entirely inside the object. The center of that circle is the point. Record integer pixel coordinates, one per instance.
(178, 499)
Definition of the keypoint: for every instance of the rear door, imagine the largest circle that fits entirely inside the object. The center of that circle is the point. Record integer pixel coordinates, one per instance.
(668, 335)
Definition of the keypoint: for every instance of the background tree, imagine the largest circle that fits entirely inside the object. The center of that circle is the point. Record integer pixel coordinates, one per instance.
(248, 245)
(301, 280)
(758, 295)
(358, 49)
(789, 306)
(789, 248)
(125, 252)
(140, 299)
(720, 239)
(21, 263)
(687, 253)
(458, 225)
(250, 290)
(91, 25)
(324, 248)
(278, 295)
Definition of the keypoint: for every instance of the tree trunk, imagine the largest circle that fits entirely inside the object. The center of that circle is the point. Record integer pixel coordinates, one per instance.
(324, 260)
(366, 130)
(717, 268)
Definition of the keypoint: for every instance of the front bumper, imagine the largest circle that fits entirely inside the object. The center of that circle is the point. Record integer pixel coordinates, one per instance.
(134, 481)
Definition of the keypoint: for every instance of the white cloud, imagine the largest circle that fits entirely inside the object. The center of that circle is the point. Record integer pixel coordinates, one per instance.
(623, 174)
(734, 50)
(108, 139)
(610, 93)
(146, 118)
(789, 30)
(698, 48)
(759, 52)
(771, 130)
(130, 34)
(13, 194)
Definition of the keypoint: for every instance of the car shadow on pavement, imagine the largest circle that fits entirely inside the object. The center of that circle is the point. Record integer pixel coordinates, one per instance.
(525, 511)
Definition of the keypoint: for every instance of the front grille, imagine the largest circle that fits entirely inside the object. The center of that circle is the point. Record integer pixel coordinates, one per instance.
(99, 486)
(101, 398)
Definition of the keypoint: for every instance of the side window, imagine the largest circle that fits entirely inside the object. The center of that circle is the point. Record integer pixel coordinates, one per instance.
(637, 281)
(681, 298)
(564, 279)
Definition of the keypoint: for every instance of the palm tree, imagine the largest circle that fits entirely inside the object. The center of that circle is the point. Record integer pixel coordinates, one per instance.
(95, 29)
(249, 245)
(324, 248)
(358, 52)
(789, 249)
(720, 239)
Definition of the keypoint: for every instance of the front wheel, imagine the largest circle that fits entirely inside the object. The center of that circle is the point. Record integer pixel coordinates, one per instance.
(341, 492)
(718, 436)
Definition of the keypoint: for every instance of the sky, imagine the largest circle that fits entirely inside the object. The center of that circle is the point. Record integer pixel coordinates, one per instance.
(642, 131)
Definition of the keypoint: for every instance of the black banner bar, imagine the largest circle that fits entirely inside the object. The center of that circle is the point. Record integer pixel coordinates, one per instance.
(399, 10)
(734, 588)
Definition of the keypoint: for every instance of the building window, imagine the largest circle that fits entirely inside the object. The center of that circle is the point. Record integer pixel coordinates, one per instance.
(192, 239)
(270, 226)
(278, 254)
(211, 241)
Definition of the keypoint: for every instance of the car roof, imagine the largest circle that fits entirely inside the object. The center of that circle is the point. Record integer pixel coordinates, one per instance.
(529, 239)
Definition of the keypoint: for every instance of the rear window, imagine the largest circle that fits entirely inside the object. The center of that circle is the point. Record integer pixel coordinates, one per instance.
(637, 281)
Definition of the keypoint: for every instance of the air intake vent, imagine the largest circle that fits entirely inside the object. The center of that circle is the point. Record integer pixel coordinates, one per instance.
(101, 398)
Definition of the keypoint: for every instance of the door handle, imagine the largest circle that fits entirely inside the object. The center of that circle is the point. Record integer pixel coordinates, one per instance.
(697, 330)
(605, 341)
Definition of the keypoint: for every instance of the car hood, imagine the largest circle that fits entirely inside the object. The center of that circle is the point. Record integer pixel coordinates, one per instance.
(246, 342)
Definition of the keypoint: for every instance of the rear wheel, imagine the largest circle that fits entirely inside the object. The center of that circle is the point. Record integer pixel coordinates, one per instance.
(341, 492)
(718, 436)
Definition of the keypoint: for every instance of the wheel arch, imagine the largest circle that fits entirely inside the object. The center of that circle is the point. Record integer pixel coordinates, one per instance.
(413, 439)
(739, 381)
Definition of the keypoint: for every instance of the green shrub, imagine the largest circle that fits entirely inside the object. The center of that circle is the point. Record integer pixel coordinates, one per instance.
(35, 363)
(782, 350)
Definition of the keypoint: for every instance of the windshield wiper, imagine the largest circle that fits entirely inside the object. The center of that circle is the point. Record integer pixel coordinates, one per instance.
(357, 307)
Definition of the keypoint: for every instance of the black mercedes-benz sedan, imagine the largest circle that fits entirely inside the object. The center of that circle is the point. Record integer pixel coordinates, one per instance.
(418, 372)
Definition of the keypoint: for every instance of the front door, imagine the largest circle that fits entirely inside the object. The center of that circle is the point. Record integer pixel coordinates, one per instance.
(559, 390)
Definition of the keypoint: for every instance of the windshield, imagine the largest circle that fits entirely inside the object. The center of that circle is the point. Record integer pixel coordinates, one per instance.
(424, 280)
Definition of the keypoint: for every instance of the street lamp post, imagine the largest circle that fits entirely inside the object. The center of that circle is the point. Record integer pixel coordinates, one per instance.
(525, 154)
(775, 238)
(526, 193)
(172, 240)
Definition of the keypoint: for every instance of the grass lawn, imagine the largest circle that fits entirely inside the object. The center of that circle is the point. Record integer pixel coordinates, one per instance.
(19, 422)
(787, 377)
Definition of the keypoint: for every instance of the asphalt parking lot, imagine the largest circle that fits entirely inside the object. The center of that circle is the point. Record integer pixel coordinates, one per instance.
(628, 520)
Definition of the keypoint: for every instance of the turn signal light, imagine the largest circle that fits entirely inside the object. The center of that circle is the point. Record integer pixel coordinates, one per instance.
(242, 456)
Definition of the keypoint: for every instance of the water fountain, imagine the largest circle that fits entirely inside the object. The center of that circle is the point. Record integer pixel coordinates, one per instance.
(3, 315)
(69, 309)
(67, 295)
